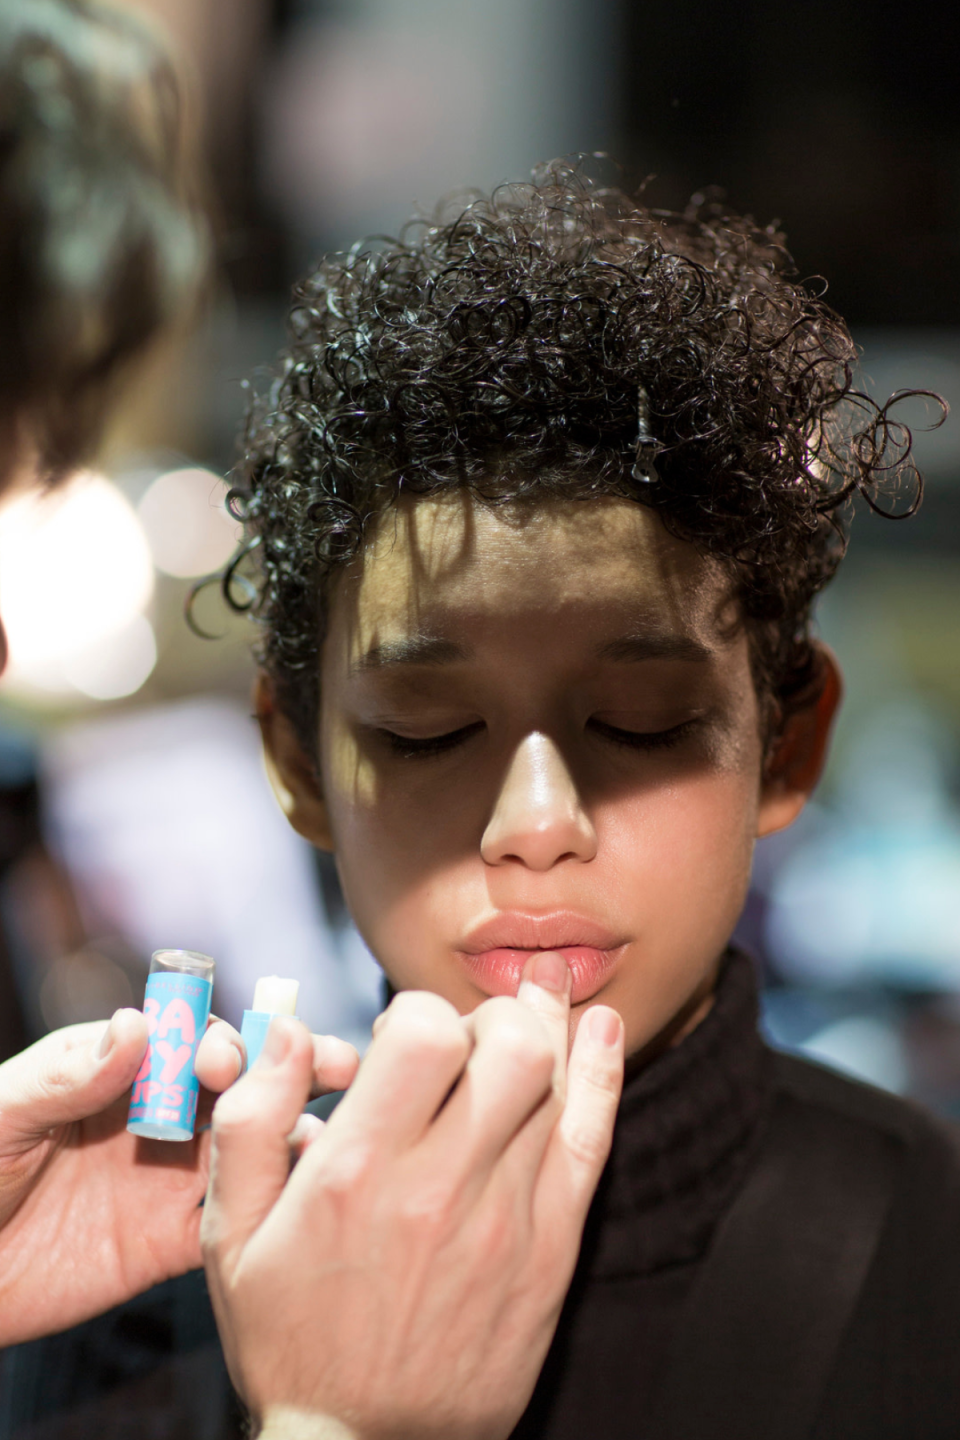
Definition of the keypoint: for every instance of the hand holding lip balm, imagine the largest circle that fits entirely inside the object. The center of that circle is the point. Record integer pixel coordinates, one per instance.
(272, 996)
(428, 1129)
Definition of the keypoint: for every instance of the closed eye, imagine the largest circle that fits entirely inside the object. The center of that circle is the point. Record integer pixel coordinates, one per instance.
(643, 739)
(417, 747)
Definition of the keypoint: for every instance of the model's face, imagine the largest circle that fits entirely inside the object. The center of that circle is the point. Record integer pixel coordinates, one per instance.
(540, 732)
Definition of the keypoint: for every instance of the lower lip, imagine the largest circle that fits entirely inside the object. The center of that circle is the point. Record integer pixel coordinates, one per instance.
(498, 972)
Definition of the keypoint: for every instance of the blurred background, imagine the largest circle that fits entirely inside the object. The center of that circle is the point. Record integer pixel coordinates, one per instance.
(134, 812)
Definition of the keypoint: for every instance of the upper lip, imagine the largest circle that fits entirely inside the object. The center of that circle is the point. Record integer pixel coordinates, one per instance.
(560, 930)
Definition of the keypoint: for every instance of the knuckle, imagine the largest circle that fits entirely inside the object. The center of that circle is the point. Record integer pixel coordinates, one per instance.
(587, 1141)
(427, 1208)
(521, 1042)
(429, 1031)
(331, 1050)
(345, 1169)
(57, 1078)
(503, 1236)
(423, 1003)
(209, 1232)
(219, 1035)
(600, 1075)
(233, 1114)
(498, 1010)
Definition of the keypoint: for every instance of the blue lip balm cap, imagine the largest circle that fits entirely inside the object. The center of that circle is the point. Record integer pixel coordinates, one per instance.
(253, 1032)
(272, 996)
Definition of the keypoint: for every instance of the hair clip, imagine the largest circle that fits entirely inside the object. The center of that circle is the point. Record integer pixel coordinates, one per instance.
(644, 465)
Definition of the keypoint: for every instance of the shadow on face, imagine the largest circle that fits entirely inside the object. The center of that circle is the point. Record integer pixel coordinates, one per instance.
(538, 725)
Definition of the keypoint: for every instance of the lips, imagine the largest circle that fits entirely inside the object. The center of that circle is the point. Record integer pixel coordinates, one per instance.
(496, 952)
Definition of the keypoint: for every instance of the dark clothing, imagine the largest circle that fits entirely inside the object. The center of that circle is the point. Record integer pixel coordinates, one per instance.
(693, 1128)
(696, 1138)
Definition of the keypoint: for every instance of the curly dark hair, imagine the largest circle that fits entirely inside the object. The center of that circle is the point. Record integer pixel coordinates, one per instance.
(559, 338)
(100, 245)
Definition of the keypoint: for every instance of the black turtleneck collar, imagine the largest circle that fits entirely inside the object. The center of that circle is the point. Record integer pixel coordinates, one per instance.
(687, 1127)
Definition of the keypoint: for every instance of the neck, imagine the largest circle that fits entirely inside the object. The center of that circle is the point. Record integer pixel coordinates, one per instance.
(695, 1009)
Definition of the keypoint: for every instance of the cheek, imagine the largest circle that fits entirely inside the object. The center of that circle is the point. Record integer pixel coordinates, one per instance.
(398, 845)
(350, 781)
(689, 842)
(400, 838)
(684, 858)
(406, 903)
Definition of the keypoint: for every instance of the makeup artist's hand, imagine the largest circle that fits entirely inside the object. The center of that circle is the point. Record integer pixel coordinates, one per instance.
(407, 1278)
(89, 1215)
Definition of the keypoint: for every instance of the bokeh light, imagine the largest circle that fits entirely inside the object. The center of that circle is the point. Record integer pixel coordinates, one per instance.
(187, 524)
(75, 578)
(108, 672)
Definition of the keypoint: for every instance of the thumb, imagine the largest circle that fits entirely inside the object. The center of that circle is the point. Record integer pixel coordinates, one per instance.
(70, 1074)
(250, 1155)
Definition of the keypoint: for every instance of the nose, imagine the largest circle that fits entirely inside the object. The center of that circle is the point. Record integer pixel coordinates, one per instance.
(539, 818)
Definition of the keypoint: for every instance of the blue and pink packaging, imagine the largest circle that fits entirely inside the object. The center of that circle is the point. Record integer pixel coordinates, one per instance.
(179, 991)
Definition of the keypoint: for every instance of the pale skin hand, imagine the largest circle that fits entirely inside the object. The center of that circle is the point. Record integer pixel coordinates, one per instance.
(90, 1215)
(406, 1280)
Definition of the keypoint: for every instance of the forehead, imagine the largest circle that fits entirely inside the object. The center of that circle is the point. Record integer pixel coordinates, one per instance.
(454, 563)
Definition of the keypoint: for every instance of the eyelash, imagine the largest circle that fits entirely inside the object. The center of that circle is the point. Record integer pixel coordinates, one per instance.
(410, 748)
(644, 740)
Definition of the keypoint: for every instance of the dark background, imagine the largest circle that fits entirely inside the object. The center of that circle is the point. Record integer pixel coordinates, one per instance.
(313, 122)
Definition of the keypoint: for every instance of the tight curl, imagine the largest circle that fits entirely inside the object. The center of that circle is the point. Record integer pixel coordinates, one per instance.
(559, 339)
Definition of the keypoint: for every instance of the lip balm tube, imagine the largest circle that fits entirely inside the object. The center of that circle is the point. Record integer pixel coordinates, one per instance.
(177, 1006)
(272, 996)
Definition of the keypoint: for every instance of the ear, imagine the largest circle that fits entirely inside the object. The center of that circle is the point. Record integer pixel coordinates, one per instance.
(798, 755)
(291, 773)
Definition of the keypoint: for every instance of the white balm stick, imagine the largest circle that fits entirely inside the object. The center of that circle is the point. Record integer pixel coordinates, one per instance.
(272, 996)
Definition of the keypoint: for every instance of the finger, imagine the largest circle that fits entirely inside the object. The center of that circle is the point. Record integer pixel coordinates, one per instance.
(406, 1074)
(335, 1064)
(581, 1139)
(508, 1077)
(250, 1153)
(71, 1074)
(307, 1129)
(545, 989)
(221, 1056)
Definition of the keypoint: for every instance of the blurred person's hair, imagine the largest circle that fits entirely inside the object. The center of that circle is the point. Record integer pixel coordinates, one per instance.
(561, 339)
(99, 243)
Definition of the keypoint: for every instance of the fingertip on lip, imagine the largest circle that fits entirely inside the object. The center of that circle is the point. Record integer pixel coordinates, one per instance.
(549, 970)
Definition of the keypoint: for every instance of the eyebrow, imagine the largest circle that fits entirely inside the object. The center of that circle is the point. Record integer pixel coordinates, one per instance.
(413, 650)
(632, 648)
(435, 650)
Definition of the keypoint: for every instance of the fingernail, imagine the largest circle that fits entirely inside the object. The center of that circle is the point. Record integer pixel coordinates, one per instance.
(603, 1025)
(108, 1040)
(276, 1047)
(550, 971)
